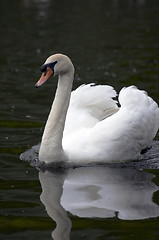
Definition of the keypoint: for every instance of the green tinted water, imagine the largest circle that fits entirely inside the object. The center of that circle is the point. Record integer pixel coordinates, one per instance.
(113, 42)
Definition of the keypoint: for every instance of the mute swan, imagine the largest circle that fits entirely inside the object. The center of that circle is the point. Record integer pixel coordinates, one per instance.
(87, 126)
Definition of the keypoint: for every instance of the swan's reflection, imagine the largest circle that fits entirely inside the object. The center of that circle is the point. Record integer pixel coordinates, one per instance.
(97, 192)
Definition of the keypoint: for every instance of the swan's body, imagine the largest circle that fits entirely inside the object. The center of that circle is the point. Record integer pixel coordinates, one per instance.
(87, 126)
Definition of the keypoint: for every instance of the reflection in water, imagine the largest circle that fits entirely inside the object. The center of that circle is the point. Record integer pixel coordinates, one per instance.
(52, 188)
(97, 192)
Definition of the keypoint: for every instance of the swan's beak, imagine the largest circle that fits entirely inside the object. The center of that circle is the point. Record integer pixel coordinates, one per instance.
(44, 77)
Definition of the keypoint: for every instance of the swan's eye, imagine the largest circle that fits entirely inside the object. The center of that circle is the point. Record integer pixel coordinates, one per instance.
(43, 68)
(52, 65)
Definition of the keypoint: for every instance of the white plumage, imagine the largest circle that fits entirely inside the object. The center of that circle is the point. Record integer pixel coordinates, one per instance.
(91, 127)
(119, 137)
(89, 104)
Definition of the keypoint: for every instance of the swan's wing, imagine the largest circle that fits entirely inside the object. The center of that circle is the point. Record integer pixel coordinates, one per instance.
(123, 135)
(96, 97)
(89, 104)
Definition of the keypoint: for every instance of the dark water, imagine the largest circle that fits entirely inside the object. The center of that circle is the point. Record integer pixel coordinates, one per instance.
(113, 42)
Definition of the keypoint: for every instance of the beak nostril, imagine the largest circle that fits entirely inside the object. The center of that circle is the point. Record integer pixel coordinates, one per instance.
(45, 72)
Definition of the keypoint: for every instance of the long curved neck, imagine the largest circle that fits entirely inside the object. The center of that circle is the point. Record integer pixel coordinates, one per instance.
(51, 144)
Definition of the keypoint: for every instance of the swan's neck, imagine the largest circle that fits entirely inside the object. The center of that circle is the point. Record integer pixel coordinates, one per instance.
(51, 145)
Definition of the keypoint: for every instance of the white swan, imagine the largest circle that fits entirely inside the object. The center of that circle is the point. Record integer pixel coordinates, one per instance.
(87, 126)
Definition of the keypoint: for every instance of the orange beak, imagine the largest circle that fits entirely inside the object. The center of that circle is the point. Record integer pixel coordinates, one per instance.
(45, 76)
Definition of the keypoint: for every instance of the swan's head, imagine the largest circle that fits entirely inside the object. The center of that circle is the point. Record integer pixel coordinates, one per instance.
(57, 64)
